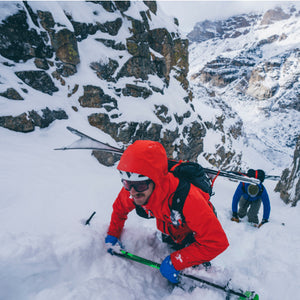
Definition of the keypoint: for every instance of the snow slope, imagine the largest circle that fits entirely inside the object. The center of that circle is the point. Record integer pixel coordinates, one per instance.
(48, 253)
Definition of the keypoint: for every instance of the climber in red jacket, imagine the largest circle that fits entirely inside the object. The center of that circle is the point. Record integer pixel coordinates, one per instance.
(149, 186)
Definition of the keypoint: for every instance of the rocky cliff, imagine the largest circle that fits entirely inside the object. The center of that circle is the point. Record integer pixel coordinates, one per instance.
(121, 66)
(289, 184)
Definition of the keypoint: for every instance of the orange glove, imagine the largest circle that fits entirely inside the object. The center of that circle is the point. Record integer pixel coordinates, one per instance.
(235, 217)
(263, 222)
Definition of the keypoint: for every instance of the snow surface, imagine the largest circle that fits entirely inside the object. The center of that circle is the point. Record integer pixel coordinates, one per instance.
(48, 253)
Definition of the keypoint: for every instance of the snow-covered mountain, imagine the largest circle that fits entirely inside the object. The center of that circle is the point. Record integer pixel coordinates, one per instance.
(61, 65)
(110, 60)
(248, 68)
(122, 67)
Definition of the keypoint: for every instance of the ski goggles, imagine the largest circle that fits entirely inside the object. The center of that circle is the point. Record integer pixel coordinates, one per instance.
(139, 186)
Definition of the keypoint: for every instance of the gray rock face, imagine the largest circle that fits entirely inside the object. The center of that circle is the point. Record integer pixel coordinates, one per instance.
(136, 62)
(289, 184)
(26, 122)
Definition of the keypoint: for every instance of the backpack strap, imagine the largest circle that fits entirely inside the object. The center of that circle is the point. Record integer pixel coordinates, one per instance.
(243, 188)
(261, 190)
(178, 201)
(140, 210)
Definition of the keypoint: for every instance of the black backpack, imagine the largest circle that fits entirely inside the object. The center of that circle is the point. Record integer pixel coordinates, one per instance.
(259, 174)
(188, 173)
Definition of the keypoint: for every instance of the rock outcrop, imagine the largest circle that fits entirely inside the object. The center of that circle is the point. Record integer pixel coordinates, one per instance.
(289, 184)
(112, 60)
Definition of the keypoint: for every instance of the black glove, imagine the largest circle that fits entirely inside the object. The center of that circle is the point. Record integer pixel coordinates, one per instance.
(263, 222)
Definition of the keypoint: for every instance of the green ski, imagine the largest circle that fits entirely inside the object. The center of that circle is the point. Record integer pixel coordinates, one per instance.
(250, 295)
(242, 295)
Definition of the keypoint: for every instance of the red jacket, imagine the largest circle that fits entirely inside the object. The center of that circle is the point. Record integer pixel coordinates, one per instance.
(149, 158)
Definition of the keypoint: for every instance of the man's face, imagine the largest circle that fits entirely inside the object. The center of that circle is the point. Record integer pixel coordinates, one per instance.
(141, 198)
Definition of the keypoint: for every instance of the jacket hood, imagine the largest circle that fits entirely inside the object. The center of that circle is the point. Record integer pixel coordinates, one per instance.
(147, 158)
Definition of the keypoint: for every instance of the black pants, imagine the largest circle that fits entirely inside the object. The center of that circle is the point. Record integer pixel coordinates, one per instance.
(249, 208)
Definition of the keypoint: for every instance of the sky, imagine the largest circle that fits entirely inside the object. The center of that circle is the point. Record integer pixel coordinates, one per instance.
(191, 12)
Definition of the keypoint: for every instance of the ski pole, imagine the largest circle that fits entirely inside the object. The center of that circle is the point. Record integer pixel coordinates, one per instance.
(89, 219)
(139, 259)
(153, 264)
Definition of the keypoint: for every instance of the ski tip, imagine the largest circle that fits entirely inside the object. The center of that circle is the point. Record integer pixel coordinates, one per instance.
(72, 130)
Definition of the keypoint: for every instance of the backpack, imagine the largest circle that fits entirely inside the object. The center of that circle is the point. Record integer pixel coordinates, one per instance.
(188, 173)
(261, 189)
(259, 174)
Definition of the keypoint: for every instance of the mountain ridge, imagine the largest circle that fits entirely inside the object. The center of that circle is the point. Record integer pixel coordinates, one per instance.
(254, 68)
(124, 69)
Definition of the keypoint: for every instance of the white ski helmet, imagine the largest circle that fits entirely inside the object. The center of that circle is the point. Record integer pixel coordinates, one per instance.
(132, 176)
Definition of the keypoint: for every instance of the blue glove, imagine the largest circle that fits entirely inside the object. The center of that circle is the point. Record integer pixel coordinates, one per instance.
(167, 270)
(113, 244)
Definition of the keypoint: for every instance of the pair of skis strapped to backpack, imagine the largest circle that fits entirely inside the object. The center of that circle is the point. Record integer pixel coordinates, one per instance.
(87, 142)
